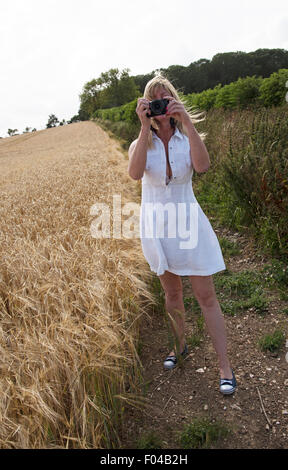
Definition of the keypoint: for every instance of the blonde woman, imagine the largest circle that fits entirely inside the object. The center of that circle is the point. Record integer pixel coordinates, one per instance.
(164, 156)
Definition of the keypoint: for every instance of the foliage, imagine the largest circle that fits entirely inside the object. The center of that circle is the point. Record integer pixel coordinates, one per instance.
(201, 433)
(248, 91)
(276, 273)
(222, 69)
(12, 132)
(150, 440)
(272, 89)
(254, 176)
(112, 89)
(272, 342)
(52, 121)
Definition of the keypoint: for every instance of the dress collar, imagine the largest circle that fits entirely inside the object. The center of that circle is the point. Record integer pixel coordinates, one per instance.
(177, 133)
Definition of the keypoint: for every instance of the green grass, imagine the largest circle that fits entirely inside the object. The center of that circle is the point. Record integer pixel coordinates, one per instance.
(238, 284)
(149, 440)
(275, 273)
(272, 342)
(201, 433)
(228, 248)
(194, 340)
(241, 291)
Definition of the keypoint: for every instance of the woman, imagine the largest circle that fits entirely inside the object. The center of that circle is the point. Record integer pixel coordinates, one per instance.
(164, 156)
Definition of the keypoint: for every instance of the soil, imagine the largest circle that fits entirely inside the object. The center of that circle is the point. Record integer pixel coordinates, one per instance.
(257, 412)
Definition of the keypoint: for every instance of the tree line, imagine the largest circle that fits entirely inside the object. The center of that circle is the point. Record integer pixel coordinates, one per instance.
(52, 122)
(115, 88)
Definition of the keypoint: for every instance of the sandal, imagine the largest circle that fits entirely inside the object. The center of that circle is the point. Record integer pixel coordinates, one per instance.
(228, 386)
(171, 361)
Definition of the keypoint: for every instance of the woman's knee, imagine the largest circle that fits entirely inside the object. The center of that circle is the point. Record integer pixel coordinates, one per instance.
(204, 290)
(172, 286)
(174, 295)
(206, 299)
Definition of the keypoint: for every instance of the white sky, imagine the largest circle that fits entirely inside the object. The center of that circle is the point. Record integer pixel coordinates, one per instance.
(50, 49)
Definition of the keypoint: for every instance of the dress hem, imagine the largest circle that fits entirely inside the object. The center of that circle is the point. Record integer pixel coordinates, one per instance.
(194, 273)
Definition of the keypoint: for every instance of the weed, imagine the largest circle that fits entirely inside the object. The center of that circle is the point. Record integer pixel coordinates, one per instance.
(272, 342)
(276, 273)
(194, 340)
(228, 248)
(149, 440)
(201, 433)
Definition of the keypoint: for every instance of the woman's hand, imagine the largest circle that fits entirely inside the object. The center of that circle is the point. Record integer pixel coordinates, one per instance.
(141, 109)
(177, 110)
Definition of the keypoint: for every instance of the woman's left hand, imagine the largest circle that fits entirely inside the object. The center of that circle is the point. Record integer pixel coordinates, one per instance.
(176, 109)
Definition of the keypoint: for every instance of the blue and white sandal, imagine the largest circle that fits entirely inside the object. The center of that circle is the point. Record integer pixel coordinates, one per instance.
(171, 361)
(228, 386)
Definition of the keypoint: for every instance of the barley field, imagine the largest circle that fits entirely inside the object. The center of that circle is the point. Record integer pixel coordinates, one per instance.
(70, 304)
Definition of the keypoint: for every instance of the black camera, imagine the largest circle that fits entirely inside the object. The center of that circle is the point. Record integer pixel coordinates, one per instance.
(157, 107)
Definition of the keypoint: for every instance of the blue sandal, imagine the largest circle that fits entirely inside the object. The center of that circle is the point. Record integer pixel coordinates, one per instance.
(171, 361)
(228, 386)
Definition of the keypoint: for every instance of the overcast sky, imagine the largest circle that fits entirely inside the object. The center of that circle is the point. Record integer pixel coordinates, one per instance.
(50, 49)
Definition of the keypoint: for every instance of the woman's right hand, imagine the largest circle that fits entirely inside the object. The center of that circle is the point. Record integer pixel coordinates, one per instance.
(141, 110)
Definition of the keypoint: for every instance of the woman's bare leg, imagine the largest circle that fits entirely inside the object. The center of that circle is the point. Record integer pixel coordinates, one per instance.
(174, 305)
(204, 291)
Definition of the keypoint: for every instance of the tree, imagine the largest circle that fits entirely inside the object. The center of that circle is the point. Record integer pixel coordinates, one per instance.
(113, 88)
(52, 121)
(75, 118)
(273, 89)
(12, 132)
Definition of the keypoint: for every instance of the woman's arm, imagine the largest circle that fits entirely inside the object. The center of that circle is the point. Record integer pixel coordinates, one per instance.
(138, 149)
(138, 154)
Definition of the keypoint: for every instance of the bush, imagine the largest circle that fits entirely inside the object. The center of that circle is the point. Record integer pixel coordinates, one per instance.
(272, 342)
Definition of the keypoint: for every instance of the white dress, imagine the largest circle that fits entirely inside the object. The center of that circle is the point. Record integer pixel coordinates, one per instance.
(175, 233)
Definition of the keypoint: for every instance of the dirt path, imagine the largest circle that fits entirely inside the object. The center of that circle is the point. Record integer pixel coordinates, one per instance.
(178, 396)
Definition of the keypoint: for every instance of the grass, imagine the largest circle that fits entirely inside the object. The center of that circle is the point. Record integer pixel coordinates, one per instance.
(149, 440)
(70, 303)
(275, 273)
(241, 291)
(201, 433)
(272, 342)
(228, 248)
(158, 294)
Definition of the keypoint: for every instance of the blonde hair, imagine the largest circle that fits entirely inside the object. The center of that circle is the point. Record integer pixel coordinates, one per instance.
(161, 80)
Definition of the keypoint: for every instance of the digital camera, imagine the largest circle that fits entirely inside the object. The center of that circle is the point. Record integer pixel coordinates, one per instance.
(157, 107)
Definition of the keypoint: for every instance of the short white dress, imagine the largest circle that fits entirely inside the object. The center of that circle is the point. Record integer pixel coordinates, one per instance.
(175, 233)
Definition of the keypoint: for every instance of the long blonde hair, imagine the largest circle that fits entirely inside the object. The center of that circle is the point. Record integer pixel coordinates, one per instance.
(161, 80)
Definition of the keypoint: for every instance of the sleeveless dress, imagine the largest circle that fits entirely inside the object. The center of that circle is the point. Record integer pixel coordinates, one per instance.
(175, 233)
